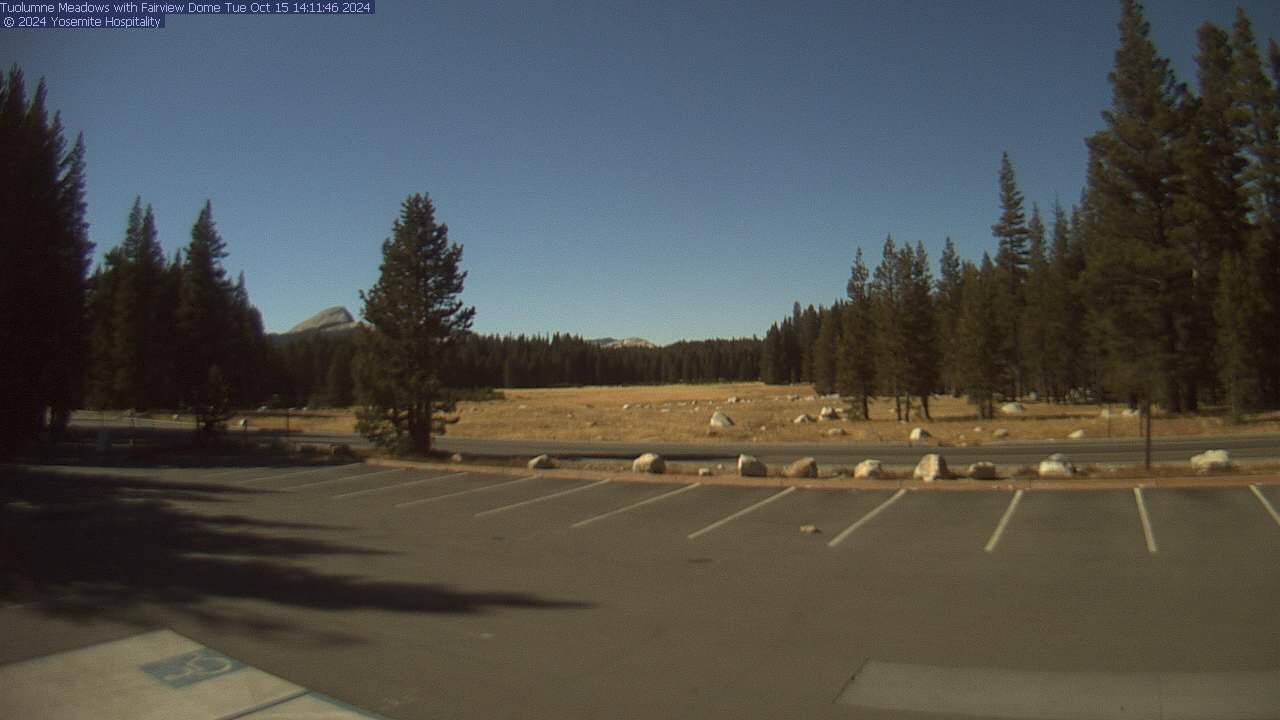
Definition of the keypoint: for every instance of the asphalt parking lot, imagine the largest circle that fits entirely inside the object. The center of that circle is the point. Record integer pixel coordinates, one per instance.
(415, 594)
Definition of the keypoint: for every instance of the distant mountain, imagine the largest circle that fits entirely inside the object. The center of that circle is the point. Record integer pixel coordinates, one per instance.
(335, 319)
(612, 343)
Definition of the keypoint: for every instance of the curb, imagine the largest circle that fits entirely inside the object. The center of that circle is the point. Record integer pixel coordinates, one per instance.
(962, 485)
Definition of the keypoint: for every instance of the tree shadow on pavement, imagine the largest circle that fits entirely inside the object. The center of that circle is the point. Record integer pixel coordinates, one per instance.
(89, 546)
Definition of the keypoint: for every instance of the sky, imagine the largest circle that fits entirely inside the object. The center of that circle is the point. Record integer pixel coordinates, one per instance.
(668, 170)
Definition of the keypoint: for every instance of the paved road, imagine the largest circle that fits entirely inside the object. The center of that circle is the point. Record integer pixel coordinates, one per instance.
(419, 595)
(1005, 454)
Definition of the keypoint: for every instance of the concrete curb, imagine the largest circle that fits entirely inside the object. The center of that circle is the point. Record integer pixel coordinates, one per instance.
(964, 485)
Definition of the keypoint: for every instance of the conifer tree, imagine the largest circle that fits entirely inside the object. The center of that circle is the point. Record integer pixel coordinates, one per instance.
(947, 312)
(414, 316)
(826, 349)
(204, 309)
(1134, 270)
(981, 371)
(1011, 267)
(1036, 308)
(1257, 103)
(855, 367)
(44, 251)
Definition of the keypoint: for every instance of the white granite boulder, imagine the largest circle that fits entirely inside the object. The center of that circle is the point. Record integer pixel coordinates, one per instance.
(649, 463)
(920, 434)
(803, 468)
(931, 467)
(720, 420)
(1211, 461)
(1056, 465)
(868, 470)
(750, 466)
(1013, 408)
(542, 462)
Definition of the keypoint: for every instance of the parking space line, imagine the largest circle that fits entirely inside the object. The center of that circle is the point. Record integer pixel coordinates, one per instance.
(633, 506)
(371, 491)
(342, 479)
(495, 486)
(539, 499)
(1004, 522)
(725, 521)
(1146, 522)
(290, 474)
(1265, 503)
(866, 518)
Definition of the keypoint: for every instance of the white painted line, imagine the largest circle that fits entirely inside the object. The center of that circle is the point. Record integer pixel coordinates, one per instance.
(1004, 522)
(290, 474)
(562, 493)
(1146, 522)
(1265, 503)
(725, 521)
(434, 498)
(866, 518)
(342, 479)
(371, 491)
(950, 691)
(633, 506)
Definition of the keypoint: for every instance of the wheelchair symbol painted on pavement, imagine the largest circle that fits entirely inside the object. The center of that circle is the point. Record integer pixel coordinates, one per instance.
(191, 668)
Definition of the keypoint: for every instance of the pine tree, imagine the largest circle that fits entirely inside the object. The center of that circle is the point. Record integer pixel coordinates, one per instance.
(44, 250)
(1036, 308)
(890, 351)
(1063, 351)
(204, 309)
(916, 326)
(414, 317)
(1257, 102)
(1134, 270)
(1011, 267)
(981, 372)
(1239, 312)
(947, 312)
(826, 350)
(856, 368)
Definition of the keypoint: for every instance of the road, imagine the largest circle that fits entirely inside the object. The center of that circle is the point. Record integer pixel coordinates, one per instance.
(1008, 455)
(453, 594)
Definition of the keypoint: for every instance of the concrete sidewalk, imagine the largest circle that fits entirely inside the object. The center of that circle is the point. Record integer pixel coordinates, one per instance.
(160, 675)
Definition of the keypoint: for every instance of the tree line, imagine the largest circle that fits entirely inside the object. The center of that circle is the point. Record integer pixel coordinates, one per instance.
(1161, 285)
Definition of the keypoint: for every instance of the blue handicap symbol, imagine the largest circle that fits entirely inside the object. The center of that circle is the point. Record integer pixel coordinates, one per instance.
(191, 668)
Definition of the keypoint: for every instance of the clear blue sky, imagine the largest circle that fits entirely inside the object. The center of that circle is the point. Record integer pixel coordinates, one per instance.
(662, 169)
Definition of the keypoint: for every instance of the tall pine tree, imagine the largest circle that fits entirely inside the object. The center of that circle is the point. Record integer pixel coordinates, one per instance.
(415, 316)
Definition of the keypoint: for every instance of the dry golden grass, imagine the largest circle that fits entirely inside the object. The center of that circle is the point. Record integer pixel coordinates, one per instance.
(762, 413)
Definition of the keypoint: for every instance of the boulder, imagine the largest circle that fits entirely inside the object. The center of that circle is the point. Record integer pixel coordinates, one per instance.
(982, 471)
(1076, 435)
(802, 468)
(1108, 413)
(836, 432)
(810, 530)
(1131, 412)
(802, 419)
(733, 400)
(828, 413)
(720, 420)
(1012, 408)
(1211, 461)
(1056, 465)
(649, 463)
(931, 467)
(704, 472)
(456, 458)
(750, 466)
(920, 434)
(868, 470)
(1000, 433)
(542, 462)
